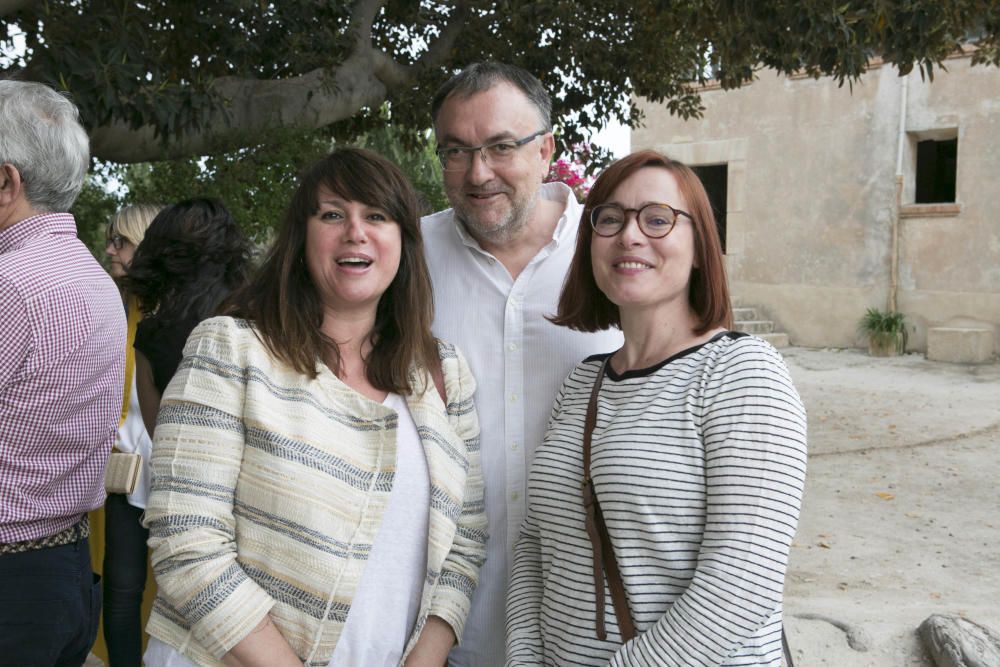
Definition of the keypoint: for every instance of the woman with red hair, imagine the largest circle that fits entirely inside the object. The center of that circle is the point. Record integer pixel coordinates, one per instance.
(671, 474)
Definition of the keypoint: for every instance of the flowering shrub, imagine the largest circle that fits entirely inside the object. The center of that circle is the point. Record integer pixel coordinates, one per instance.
(572, 171)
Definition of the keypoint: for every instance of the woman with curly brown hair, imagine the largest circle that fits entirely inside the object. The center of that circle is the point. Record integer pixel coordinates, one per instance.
(192, 257)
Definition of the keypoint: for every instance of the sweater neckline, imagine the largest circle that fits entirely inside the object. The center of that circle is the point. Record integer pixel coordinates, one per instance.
(645, 372)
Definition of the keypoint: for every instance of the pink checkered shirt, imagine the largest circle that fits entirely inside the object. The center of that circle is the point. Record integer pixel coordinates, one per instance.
(62, 342)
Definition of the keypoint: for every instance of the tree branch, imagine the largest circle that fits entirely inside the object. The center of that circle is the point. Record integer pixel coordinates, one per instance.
(395, 75)
(249, 107)
(362, 21)
(312, 100)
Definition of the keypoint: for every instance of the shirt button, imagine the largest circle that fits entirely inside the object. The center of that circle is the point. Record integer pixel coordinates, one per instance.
(513, 398)
(492, 261)
(512, 347)
(515, 496)
(514, 446)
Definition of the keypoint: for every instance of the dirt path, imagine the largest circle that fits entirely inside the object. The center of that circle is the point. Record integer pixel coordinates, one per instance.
(902, 511)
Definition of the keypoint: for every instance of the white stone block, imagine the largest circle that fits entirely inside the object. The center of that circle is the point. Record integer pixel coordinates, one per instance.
(963, 345)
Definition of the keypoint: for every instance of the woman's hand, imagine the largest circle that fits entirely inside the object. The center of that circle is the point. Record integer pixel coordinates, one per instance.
(431, 650)
(263, 647)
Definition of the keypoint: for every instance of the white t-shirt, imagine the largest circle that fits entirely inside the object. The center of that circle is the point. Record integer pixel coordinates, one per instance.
(385, 606)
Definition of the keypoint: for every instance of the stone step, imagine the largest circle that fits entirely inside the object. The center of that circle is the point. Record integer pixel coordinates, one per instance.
(775, 338)
(754, 326)
(750, 319)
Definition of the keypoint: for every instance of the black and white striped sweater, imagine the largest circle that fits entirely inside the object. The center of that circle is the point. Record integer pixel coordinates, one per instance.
(699, 464)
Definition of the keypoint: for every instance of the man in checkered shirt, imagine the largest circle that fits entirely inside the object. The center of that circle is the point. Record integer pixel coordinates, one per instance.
(62, 338)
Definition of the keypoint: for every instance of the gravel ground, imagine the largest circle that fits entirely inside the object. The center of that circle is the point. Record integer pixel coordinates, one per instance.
(902, 506)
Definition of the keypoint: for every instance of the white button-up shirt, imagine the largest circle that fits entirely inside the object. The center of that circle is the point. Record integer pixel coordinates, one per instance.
(519, 360)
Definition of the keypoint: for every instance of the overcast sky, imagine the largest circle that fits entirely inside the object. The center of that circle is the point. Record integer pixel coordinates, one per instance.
(614, 137)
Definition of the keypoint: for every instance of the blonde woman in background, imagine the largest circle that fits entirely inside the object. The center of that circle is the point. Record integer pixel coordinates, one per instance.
(124, 536)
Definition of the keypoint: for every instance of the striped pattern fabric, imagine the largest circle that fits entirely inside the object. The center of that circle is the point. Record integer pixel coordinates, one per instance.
(699, 465)
(269, 488)
(62, 355)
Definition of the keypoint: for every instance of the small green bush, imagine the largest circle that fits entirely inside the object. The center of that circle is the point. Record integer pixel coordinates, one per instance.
(884, 329)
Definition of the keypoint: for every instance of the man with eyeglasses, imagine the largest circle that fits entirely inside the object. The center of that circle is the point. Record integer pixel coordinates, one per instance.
(498, 259)
(62, 341)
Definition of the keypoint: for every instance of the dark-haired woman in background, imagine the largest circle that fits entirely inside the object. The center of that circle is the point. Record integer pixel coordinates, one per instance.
(316, 498)
(697, 457)
(192, 257)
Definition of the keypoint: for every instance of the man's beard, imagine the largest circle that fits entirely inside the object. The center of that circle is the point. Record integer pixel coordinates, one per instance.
(507, 229)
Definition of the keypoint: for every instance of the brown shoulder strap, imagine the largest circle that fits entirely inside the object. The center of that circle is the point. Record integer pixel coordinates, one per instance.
(603, 552)
(591, 419)
(785, 649)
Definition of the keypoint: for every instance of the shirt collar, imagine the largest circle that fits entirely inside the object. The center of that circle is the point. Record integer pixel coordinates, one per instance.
(570, 219)
(19, 233)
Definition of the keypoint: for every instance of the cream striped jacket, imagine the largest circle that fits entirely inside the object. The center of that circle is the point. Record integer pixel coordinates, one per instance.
(268, 490)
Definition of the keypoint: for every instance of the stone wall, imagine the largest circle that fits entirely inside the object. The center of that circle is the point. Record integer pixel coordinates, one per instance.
(812, 196)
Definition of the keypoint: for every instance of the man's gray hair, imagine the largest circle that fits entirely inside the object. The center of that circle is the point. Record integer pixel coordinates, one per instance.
(41, 135)
(480, 77)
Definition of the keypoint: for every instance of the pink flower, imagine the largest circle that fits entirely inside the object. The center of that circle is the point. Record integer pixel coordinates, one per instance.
(572, 171)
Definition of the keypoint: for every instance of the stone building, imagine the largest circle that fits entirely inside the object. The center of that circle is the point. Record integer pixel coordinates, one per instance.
(836, 199)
